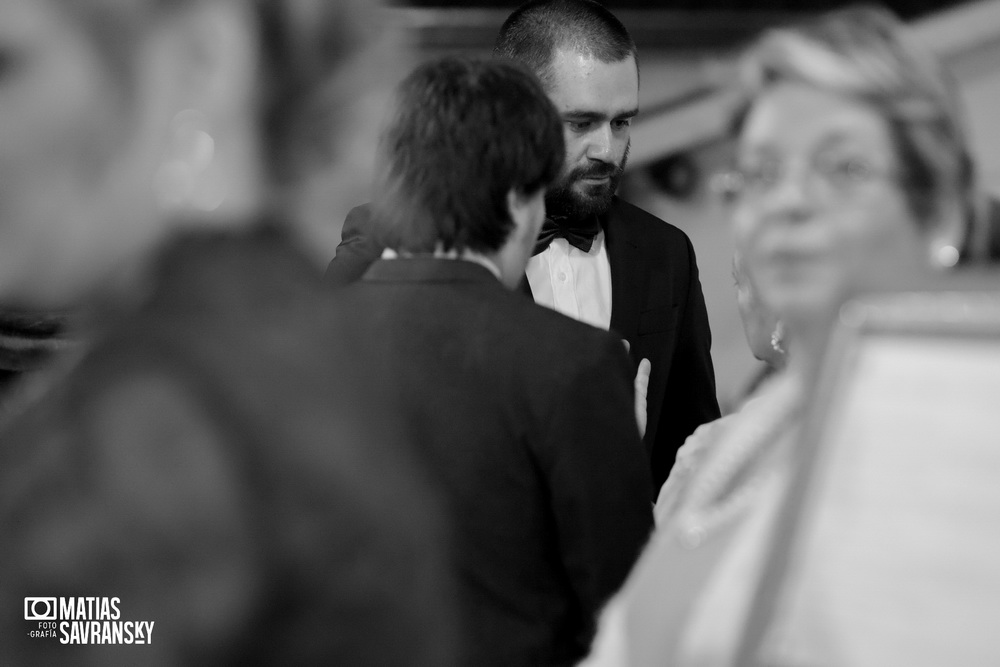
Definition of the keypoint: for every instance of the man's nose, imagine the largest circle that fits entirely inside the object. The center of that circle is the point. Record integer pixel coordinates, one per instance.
(601, 145)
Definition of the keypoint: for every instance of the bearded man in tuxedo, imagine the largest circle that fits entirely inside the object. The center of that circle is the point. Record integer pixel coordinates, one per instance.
(600, 259)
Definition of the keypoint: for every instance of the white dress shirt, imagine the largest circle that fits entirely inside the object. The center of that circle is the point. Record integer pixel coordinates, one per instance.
(573, 282)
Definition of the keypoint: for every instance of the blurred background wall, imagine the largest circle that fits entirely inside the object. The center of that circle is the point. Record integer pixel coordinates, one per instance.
(687, 50)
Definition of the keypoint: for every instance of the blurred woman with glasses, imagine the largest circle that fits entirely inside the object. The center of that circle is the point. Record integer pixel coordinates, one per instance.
(851, 173)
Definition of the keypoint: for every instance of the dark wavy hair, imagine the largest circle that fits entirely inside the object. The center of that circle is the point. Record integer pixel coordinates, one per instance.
(463, 134)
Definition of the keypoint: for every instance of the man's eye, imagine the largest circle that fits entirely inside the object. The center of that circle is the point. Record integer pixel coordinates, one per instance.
(621, 123)
(579, 126)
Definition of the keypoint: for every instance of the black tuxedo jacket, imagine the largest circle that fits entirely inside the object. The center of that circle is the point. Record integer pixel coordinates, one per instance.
(525, 420)
(656, 305)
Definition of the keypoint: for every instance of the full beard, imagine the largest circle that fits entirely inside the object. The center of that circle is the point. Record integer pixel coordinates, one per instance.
(566, 201)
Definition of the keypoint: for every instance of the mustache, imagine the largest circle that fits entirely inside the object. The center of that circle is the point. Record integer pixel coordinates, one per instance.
(597, 170)
(601, 169)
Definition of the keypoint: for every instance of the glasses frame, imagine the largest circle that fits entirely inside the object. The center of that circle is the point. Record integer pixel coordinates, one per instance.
(842, 176)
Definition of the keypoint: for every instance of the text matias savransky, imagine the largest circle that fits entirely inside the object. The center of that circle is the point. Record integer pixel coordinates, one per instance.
(85, 620)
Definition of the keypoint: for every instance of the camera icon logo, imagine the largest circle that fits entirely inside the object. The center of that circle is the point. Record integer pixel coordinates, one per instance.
(41, 609)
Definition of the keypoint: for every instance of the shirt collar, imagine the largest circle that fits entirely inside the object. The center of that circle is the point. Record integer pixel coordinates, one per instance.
(466, 255)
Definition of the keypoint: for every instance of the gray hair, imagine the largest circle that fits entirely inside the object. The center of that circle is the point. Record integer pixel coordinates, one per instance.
(862, 52)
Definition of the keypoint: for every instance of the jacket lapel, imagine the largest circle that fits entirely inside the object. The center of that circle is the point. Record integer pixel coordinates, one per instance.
(626, 270)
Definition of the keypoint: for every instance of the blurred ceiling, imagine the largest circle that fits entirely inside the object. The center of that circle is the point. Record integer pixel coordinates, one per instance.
(688, 47)
(680, 25)
(903, 7)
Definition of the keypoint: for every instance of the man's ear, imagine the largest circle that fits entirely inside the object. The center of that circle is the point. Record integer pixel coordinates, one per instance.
(516, 208)
(526, 210)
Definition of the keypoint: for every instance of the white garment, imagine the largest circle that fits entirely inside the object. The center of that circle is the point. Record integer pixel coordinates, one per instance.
(713, 585)
(573, 282)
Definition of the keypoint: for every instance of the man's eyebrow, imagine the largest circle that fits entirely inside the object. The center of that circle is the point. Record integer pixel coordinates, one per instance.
(581, 114)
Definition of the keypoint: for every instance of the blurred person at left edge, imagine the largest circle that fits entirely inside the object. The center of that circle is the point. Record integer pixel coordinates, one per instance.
(206, 457)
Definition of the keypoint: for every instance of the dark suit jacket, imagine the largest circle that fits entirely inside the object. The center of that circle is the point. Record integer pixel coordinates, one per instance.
(525, 419)
(656, 305)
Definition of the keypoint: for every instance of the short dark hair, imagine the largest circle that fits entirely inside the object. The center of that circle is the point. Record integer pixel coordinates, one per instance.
(536, 29)
(464, 133)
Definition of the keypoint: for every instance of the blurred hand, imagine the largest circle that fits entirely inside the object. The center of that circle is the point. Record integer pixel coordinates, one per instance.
(641, 385)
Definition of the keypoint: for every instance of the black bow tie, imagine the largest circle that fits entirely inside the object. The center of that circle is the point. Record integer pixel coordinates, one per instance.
(580, 234)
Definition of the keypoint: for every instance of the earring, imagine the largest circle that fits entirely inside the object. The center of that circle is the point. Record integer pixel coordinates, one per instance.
(946, 256)
(778, 337)
(184, 181)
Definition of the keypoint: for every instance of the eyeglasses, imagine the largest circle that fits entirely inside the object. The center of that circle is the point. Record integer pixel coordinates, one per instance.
(834, 175)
